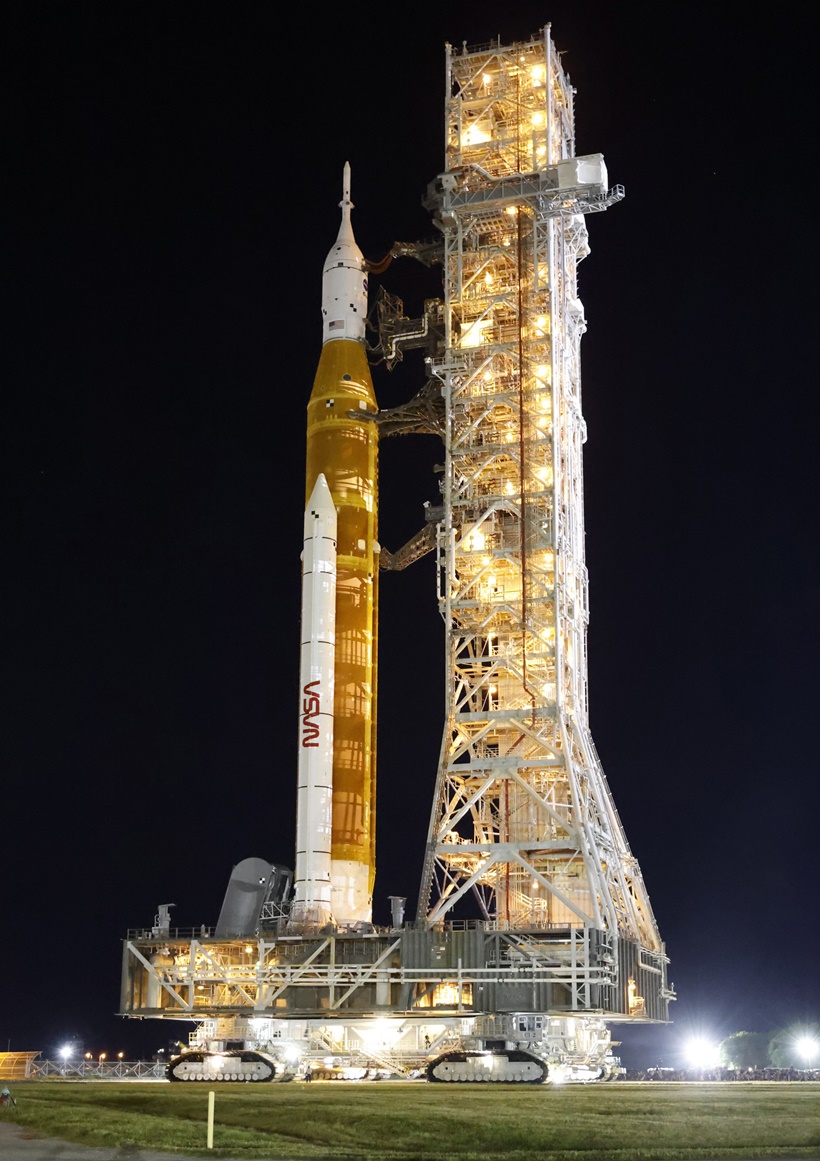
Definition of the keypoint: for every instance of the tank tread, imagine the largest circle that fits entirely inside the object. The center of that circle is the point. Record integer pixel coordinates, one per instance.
(515, 1066)
(246, 1067)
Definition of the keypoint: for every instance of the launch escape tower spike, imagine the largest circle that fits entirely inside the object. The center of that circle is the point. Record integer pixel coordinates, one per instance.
(523, 819)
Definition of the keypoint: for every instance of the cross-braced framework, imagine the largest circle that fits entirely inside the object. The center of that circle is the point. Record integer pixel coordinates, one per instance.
(523, 817)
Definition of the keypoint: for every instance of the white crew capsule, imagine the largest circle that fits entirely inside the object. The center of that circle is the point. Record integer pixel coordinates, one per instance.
(344, 280)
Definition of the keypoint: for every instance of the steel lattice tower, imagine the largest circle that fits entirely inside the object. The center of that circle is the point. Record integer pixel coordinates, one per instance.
(522, 816)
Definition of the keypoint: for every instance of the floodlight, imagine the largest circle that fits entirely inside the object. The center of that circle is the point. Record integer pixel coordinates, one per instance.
(702, 1053)
(808, 1048)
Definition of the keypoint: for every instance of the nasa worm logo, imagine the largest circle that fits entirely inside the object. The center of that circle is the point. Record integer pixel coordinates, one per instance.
(311, 707)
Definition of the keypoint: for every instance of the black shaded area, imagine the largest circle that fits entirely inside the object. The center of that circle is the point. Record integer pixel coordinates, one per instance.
(170, 182)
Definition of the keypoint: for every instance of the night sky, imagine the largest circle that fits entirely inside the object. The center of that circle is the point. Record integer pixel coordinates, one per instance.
(171, 178)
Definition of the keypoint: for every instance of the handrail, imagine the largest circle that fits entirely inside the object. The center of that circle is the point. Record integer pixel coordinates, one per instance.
(99, 1070)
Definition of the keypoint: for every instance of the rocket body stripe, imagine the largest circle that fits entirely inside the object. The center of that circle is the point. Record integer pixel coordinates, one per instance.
(312, 880)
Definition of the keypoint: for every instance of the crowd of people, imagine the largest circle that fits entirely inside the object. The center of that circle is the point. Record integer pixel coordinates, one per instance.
(726, 1074)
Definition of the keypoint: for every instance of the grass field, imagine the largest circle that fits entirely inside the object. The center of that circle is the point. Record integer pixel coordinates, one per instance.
(417, 1122)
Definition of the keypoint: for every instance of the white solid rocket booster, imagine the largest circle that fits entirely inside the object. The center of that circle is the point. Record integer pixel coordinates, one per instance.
(314, 804)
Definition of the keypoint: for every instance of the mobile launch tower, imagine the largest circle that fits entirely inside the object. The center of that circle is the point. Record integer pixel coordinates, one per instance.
(523, 826)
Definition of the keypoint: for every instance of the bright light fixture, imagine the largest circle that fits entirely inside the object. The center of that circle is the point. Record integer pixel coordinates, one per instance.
(380, 1032)
(476, 134)
(473, 334)
(702, 1053)
(808, 1048)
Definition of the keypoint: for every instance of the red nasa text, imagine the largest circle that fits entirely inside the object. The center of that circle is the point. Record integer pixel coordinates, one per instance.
(311, 706)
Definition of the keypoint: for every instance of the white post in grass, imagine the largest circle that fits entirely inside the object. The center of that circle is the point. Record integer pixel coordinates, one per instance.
(211, 1096)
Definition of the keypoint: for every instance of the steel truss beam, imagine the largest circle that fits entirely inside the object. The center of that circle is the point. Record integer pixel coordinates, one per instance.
(252, 977)
(523, 818)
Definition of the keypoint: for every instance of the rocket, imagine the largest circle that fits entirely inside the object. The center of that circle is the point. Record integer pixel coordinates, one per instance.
(341, 464)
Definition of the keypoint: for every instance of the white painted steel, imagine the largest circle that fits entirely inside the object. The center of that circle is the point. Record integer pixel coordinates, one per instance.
(312, 882)
(522, 818)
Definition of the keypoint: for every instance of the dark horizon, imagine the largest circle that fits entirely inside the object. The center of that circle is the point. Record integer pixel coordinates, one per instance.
(172, 189)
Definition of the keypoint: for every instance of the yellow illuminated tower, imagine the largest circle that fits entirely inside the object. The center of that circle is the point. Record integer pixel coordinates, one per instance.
(342, 442)
(523, 821)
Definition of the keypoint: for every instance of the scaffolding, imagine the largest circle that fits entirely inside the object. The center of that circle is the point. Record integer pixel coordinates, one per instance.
(523, 818)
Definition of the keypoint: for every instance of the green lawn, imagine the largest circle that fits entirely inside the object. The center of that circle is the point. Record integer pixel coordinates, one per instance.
(417, 1122)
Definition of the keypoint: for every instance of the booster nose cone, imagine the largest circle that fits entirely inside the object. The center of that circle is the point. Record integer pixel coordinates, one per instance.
(344, 279)
(320, 499)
